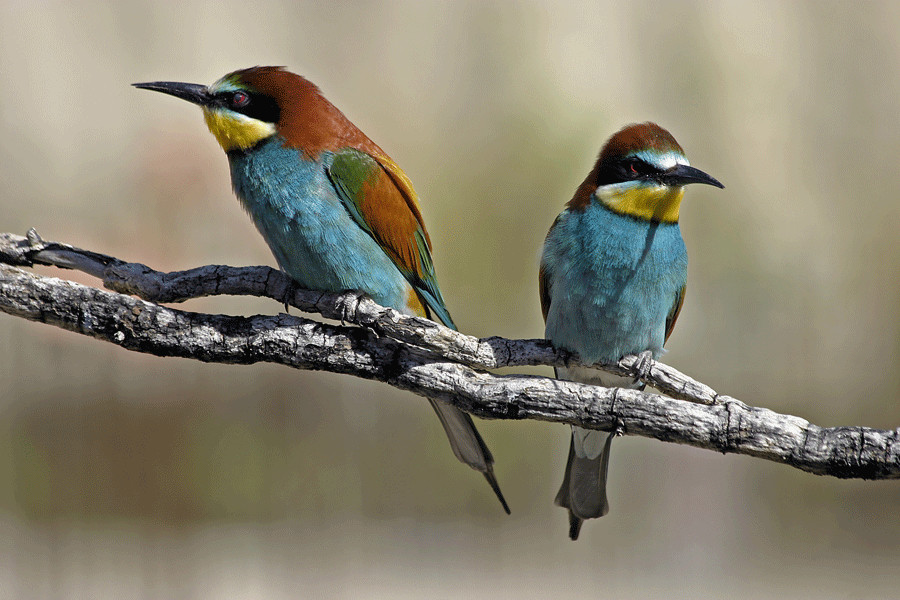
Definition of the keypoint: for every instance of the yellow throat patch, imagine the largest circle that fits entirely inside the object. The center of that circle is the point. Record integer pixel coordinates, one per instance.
(650, 203)
(235, 131)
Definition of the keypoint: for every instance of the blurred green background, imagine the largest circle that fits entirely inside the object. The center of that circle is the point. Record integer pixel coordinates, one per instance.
(123, 475)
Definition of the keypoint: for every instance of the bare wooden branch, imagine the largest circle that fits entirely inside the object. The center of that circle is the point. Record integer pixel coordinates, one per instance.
(179, 286)
(412, 354)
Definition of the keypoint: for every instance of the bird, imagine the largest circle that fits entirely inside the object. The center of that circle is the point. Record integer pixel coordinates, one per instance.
(335, 210)
(612, 280)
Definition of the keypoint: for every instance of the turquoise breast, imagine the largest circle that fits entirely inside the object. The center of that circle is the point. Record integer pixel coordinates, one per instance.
(314, 239)
(613, 281)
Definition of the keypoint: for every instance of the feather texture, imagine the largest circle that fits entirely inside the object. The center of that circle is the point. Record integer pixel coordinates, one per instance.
(612, 281)
(336, 211)
(384, 204)
(339, 214)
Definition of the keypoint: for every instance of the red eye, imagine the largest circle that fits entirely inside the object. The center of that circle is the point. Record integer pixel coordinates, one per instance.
(239, 99)
(633, 169)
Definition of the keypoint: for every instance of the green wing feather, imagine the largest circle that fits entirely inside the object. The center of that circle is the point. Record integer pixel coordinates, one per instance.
(676, 309)
(380, 198)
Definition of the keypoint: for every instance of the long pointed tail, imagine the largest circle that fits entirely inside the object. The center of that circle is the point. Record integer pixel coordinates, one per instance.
(583, 489)
(467, 444)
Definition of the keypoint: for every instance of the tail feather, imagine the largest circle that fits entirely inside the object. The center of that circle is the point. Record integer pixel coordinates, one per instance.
(464, 439)
(574, 526)
(467, 444)
(583, 490)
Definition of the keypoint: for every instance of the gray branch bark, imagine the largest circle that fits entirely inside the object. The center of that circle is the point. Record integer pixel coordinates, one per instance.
(412, 354)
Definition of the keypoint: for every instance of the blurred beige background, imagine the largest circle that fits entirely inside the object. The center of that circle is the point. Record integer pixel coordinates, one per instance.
(123, 475)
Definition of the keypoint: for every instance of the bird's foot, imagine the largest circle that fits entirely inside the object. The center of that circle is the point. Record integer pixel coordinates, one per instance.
(347, 304)
(289, 291)
(642, 366)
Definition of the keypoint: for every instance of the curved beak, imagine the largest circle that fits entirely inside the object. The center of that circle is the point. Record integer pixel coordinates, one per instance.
(683, 175)
(192, 92)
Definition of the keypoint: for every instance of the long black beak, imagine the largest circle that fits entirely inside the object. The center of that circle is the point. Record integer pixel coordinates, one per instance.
(192, 92)
(683, 175)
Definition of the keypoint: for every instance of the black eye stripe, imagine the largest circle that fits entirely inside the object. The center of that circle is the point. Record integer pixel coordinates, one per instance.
(636, 165)
(254, 105)
(624, 169)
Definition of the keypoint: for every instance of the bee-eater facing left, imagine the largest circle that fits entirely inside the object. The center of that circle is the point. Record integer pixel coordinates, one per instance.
(612, 281)
(336, 211)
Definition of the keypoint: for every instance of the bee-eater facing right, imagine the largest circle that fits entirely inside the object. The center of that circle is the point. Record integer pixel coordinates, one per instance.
(612, 281)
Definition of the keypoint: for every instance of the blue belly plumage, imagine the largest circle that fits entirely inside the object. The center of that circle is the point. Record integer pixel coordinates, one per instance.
(314, 239)
(614, 279)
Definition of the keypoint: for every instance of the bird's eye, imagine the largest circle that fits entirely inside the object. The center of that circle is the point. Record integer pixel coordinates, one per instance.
(239, 99)
(636, 168)
(632, 168)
